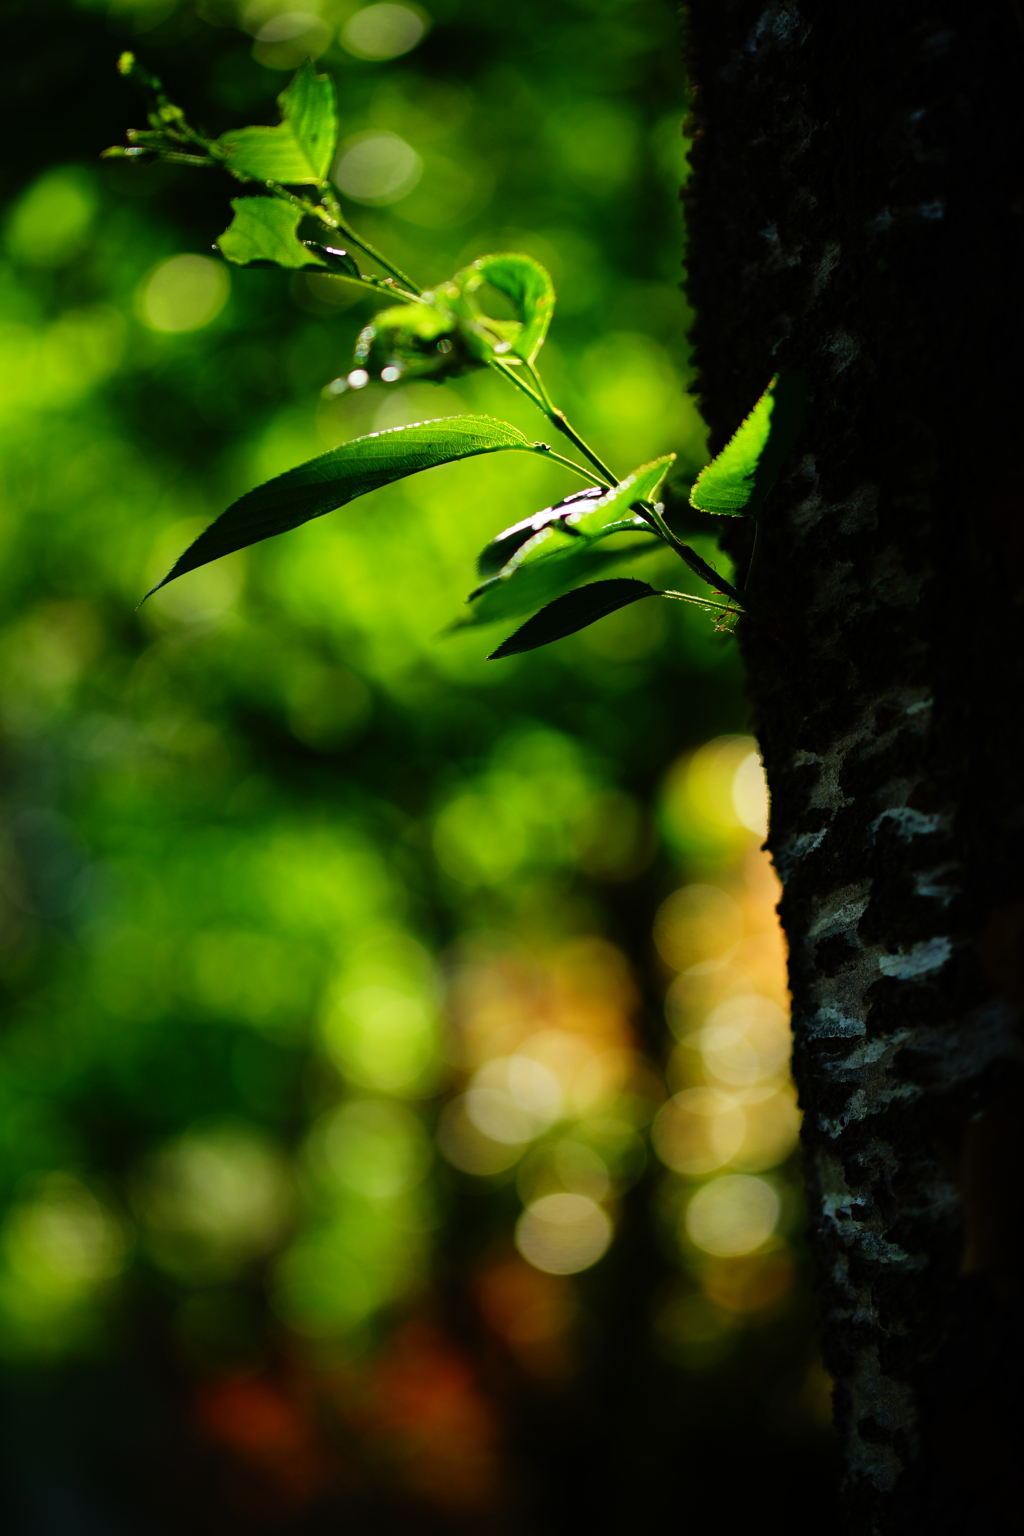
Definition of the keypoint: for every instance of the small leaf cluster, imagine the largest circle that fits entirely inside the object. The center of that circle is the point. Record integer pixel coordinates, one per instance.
(545, 564)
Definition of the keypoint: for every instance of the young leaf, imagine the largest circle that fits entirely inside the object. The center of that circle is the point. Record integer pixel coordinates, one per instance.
(264, 229)
(613, 509)
(267, 154)
(298, 151)
(500, 550)
(531, 291)
(572, 612)
(338, 477)
(586, 515)
(334, 258)
(739, 479)
(416, 341)
(308, 105)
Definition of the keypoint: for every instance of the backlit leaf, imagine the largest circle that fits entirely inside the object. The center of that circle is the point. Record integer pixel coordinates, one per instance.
(268, 154)
(298, 151)
(421, 340)
(501, 549)
(590, 514)
(575, 611)
(529, 287)
(264, 229)
(341, 475)
(737, 481)
(614, 506)
(308, 105)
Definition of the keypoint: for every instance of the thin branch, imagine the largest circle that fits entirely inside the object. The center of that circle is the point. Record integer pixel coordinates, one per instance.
(689, 556)
(580, 469)
(560, 421)
(334, 209)
(703, 602)
(516, 378)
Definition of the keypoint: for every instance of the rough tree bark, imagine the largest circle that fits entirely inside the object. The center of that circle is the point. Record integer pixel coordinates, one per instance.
(855, 210)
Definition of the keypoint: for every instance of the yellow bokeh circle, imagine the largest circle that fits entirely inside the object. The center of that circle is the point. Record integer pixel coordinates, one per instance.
(183, 293)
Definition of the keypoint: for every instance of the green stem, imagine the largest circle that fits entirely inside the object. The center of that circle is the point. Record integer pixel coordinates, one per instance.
(334, 209)
(171, 156)
(580, 469)
(328, 210)
(381, 287)
(516, 378)
(702, 602)
(560, 421)
(708, 573)
(689, 556)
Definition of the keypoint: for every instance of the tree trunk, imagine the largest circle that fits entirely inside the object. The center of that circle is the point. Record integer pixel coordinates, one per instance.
(856, 211)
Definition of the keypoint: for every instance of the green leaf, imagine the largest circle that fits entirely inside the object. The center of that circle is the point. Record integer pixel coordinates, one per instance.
(573, 612)
(264, 229)
(334, 258)
(590, 515)
(267, 154)
(298, 151)
(308, 104)
(527, 284)
(341, 475)
(543, 579)
(500, 550)
(421, 340)
(739, 479)
(613, 509)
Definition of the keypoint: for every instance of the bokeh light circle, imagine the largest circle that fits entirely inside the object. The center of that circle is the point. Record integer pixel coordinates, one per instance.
(698, 1130)
(750, 794)
(184, 293)
(732, 1215)
(376, 168)
(563, 1234)
(383, 31)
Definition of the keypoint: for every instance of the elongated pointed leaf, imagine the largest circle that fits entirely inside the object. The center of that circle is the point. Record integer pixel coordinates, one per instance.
(264, 229)
(338, 477)
(575, 611)
(299, 150)
(737, 481)
(542, 580)
(308, 104)
(530, 289)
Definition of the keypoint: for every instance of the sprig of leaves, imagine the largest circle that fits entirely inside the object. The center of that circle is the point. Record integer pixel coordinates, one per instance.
(297, 152)
(542, 565)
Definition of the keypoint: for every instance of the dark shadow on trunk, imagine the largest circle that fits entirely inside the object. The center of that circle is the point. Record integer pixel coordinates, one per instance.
(856, 211)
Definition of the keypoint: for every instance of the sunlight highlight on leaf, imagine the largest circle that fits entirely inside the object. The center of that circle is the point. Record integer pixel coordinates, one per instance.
(739, 478)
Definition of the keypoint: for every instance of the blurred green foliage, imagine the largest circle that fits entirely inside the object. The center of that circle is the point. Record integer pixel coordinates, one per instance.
(262, 835)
